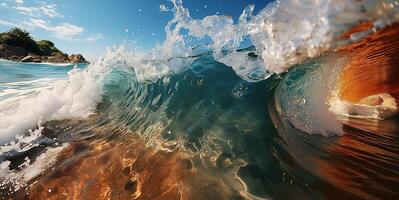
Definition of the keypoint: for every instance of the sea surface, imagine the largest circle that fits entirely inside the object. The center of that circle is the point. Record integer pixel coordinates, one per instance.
(224, 126)
(218, 121)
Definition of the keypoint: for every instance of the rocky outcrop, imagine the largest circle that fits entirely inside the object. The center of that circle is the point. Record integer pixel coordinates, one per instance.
(27, 59)
(9, 51)
(58, 58)
(14, 58)
(18, 54)
(77, 58)
(18, 45)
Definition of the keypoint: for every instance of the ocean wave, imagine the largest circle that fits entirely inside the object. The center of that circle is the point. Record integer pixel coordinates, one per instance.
(208, 102)
(317, 24)
(72, 97)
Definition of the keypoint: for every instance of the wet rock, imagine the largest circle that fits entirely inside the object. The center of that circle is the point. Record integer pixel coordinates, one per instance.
(33, 58)
(187, 164)
(77, 58)
(237, 197)
(7, 51)
(80, 147)
(131, 186)
(105, 158)
(19, 54)
(252, 54)
(48, 132)
(58, 58)
(144, 174)
(126, 171)
(27, 59)
(15, 58)
(37, 60)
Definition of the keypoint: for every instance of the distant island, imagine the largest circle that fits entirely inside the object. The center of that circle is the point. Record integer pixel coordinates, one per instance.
(18, 45)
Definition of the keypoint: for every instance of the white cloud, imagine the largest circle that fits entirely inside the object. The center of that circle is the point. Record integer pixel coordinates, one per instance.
(6, 23)
(39, 23)
(40, 15)
(68, 30)
(62, 31)
(49, 10)
(4, 4)
(95, 37)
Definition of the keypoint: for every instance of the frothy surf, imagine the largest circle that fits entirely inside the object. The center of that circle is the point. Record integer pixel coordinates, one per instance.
(317, 30)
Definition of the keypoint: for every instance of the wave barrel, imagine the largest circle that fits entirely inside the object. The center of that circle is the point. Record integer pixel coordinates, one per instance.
(371, 75)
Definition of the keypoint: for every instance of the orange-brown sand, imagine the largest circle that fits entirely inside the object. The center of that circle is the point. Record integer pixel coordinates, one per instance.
(125, 169)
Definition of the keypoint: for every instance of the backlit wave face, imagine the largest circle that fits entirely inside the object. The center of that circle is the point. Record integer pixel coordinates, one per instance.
(368, 86)
(362, 163)
(276, 48)
(373, 66)
(332, 95)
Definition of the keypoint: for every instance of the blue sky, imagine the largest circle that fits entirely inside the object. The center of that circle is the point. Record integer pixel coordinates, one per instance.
(89, 26)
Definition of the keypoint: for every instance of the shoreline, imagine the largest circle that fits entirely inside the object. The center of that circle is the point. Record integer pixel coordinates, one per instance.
(43, 63)
(18, 54)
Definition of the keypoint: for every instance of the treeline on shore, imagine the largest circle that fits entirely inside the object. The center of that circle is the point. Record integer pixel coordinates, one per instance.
(18, 45)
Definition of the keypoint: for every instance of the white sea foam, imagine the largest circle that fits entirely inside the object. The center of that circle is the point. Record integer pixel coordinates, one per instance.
(23, 142)
(16, 91)
(42, 63)
(52, 64)
(288, 32)
(73, 97)
(28, 170)
(284, 33)
(377, 106)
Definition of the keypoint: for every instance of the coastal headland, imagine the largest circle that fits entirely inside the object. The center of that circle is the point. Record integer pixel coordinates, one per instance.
(17, 45)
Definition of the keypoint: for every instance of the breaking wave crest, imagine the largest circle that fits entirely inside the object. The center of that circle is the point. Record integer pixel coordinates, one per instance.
(318, 26)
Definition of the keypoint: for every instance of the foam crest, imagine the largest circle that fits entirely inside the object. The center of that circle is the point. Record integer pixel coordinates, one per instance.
(377, 106)
(318, 25)
(73, 97)
(284, 33)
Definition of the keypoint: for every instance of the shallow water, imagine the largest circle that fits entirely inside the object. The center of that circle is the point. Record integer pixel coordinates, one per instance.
(207, 115)
(211, 126)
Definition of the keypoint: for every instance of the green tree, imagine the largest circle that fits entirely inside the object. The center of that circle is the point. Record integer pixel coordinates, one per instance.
(46, 42)
(20, 38)
(47, 47)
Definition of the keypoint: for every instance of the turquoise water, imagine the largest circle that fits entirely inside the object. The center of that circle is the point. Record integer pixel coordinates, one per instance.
(19, 76)
(251, 123)
(224, 124)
